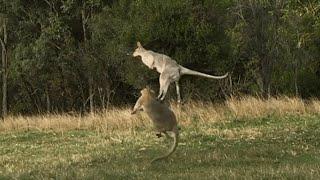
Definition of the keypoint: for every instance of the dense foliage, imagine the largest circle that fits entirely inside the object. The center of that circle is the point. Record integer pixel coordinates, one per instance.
(66, 55)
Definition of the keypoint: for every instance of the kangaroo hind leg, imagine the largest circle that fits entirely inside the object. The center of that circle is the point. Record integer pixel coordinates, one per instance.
(164, 85)
(164, 90)
(178, 92)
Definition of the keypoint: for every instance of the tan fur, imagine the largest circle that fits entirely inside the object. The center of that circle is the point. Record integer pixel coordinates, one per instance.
(162, 117)
(170, 71)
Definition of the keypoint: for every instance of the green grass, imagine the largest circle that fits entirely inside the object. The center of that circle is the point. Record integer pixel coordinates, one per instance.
(271, 147)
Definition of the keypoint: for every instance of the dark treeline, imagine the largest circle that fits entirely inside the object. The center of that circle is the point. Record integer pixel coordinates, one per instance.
(71, 55)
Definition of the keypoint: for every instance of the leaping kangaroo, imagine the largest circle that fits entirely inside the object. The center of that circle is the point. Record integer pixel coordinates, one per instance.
(170, 71)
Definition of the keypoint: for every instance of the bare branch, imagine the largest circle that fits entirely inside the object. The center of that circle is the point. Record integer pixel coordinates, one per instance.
(48, 3)
(51, 6)
(55, 45)
(2, 44)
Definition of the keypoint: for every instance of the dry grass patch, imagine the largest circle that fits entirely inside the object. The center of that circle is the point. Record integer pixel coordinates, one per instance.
(256, 107)
(190, 113)
(111, 119)
(315, 106)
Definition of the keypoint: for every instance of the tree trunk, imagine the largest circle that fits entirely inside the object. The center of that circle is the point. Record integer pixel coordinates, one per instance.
(4, 70)
(296, 66)
(296, 78)
(266, 75)
(102, 95)
(48, 103)
(91, 94)
(90, 78)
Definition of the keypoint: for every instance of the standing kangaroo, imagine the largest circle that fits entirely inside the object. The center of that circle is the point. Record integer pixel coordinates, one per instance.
(164, 120)
(170, 71)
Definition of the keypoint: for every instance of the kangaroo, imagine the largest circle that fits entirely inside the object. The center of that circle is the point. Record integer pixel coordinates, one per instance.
(164, 120)
(170, 71)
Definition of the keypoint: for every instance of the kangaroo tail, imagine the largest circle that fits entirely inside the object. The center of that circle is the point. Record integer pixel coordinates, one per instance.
(172, 149)
(184, 70)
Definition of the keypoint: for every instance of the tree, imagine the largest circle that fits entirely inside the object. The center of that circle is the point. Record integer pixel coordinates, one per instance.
(4, 69)
(72, 55)
(258, 23)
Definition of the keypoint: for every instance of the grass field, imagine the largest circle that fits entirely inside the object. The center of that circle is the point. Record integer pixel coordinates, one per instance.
(244, 138)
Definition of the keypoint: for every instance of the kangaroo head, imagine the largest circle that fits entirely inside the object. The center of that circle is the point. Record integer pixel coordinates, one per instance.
(139, 50)
(147, 91)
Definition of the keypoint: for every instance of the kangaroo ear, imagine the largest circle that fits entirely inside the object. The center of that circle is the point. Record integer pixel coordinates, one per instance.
(142, 90)
(149, 89)
(139, 44)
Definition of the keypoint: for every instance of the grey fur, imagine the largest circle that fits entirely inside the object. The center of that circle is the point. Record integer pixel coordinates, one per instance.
(170, 71)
